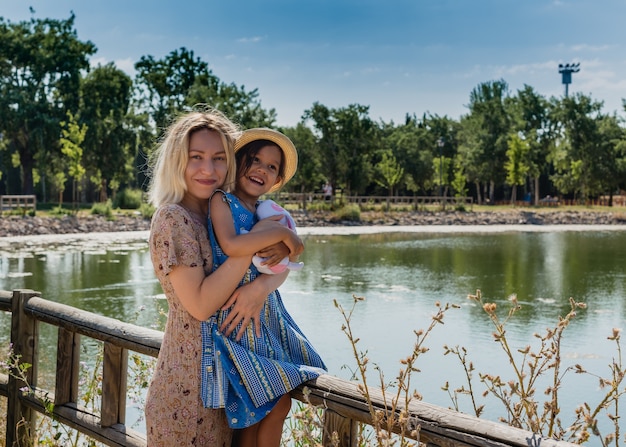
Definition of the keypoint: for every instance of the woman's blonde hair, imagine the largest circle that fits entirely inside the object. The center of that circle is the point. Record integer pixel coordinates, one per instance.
(168, 162)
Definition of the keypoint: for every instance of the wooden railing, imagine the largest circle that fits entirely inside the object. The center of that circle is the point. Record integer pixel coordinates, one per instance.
(344, 404)
(15, 202)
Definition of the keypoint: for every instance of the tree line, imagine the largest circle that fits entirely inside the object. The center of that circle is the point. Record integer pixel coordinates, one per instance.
(71, 130)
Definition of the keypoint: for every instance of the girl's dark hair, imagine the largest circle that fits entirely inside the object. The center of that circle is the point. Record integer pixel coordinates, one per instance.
(245, 155)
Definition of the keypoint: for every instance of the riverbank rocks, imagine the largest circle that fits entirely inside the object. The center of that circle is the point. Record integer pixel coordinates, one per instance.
(33, 225)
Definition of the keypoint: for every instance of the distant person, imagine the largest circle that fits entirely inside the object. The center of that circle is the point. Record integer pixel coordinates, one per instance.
(195, 158)
(260, 365)
(328, 191)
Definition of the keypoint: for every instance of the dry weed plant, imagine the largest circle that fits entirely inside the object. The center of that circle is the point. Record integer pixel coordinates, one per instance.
(523, 407)
(392, 416)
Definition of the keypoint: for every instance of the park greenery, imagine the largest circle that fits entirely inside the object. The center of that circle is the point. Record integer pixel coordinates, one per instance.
(71, 131)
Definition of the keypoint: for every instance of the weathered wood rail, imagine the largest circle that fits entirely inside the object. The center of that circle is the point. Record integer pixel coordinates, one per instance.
(344, 404)
(14, 202)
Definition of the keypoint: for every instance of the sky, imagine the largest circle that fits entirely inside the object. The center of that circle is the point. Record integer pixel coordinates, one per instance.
(397, 57)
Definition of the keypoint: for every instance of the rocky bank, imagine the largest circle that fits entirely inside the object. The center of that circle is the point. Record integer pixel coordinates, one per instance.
(36, 225)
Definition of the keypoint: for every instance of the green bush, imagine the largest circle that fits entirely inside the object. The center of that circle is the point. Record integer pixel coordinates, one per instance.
(146, 210)
(103, 209)
(128, 199)
(351, 212)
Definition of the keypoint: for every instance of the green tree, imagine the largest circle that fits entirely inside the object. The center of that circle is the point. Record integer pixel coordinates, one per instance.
(459, 181)
(180, 81)
(411, 143)
(582, 157)
(71, 148)
(347, 138)
(389, 171)
(531, 117)
(164, 84)
(110, 145)
(309, 176)
(484, 136)
(40, 65)
(516, 164)
(234, 101)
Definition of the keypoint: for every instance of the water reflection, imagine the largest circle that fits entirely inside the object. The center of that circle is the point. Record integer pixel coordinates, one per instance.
(401, 276)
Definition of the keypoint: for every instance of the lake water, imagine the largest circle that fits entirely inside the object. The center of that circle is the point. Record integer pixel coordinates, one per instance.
(402, 273)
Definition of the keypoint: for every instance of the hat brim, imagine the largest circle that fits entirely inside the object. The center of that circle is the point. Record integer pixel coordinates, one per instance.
(290, 154)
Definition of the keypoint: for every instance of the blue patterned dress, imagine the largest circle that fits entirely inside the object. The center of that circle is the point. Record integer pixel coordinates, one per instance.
(249, 376)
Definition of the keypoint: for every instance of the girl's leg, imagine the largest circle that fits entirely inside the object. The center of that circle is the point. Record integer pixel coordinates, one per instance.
(270, 429)
(246, 437)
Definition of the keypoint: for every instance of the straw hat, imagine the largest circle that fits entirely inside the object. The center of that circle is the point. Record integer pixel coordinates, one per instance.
(290, 154)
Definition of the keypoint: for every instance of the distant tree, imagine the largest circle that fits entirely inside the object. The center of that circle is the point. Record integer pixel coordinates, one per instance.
(531, 117)
(309, 175)
(71, 148)
(111, 140)
(164, 84)
(40, 65)
(411, 144)
(484, 135)
(389, 172)
(516, 164)
(581, 158)
(180, 81)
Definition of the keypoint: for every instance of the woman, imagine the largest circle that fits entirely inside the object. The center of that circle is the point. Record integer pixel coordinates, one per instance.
(195, 158)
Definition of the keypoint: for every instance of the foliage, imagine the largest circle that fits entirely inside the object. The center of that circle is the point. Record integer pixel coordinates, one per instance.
(350, 212)
(390, 172)
(516, 167)
(73, 137)
(40, 64)
(129, 199)
(103, 209)
(146, 210)
(571, 148)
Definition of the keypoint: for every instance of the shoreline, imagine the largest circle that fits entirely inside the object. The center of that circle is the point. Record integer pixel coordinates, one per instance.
(98, 240)
(34, 230)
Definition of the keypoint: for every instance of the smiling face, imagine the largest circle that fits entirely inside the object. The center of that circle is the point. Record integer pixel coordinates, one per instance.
(259, 172)
(206, 169)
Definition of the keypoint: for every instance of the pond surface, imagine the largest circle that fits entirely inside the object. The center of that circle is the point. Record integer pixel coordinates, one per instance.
(402, 277)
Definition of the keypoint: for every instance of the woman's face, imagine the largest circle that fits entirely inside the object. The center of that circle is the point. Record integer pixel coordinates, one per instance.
(207, 167)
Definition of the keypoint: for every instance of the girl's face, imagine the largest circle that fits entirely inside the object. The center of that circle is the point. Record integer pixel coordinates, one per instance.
(206, 168)
(263, 172)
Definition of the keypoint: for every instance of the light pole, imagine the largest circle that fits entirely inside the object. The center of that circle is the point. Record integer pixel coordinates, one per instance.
(440, 143)
(566, 74)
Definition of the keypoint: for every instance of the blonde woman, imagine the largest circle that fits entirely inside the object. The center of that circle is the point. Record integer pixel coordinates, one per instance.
(195, 158)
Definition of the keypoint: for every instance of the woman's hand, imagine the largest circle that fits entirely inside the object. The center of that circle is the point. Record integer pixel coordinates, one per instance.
(247, 303)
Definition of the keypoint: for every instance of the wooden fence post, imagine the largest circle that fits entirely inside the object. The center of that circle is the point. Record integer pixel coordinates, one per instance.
(114, 373)
(68, 367)
(345, 428)
(24, 337)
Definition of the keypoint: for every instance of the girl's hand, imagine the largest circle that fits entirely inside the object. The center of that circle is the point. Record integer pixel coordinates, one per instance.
(294, 244)
(274, 254)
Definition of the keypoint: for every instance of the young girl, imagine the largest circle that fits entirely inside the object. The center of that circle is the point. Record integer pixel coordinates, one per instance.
(260, 366)
(195, 158)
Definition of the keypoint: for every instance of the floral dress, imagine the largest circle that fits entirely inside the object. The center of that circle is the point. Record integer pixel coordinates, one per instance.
(175, 415)
(248, 377)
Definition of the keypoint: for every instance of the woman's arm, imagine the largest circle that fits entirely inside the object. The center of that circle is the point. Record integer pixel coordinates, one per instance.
(265, 233)
(247, 303)
(202, 295)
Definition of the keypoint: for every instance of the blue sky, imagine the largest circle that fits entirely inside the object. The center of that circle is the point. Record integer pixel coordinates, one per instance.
(395, 56)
